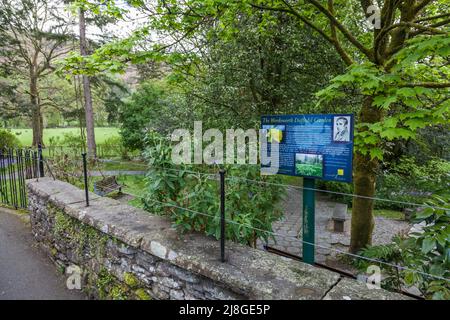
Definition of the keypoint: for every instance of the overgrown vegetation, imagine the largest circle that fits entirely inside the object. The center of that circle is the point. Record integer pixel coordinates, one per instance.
(8, 140)
(250, 208)
(402, 182)
(424, 253)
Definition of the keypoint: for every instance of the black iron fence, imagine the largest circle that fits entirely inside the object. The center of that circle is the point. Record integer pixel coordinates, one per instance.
(16, 166)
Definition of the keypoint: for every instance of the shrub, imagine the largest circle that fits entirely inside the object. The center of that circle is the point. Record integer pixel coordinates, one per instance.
(73, 141)
(251, 208)
(410, 183)
(425, 254)
(113, 146)
(155, 105)
(338, 187)
(405, 182)
(139, 112)
(8, 140)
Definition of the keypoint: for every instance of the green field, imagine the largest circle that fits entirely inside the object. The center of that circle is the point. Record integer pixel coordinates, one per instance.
(26, 135)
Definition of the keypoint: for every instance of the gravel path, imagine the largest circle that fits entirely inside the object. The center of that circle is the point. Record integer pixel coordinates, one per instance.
(25, 271)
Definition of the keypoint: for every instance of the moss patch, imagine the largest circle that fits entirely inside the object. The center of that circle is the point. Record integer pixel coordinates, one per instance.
(82, 237)
(109, 287)
(141, 294)
(130, 280)
(89, 245)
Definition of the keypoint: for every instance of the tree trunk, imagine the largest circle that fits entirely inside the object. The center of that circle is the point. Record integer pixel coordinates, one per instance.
(36, 126)
(36, 117)
(92, 148)
(365, 173)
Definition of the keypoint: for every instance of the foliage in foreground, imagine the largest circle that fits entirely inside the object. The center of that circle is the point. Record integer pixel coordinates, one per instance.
(251, 208)
(422, 252)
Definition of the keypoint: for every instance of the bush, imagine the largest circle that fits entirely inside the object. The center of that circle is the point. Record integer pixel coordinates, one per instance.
(8, 140)
(73, 141)
(339, 187)
(113, 146)
(411, 183)
(251, 207)
(405, 182)
(153, 106)
(138, 114)
(425, 254)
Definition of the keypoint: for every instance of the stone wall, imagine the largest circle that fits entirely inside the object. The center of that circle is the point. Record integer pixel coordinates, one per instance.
(127, 253)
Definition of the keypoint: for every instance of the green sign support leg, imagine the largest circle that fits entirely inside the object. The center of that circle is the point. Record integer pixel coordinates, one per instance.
(309, 202)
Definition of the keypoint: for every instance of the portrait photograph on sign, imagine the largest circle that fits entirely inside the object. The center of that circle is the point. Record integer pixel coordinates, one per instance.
(341, 129)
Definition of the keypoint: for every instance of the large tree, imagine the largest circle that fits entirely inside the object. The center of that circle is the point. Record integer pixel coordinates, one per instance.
(34, 35)
(261, 76)
(89, 111)
(398, 64)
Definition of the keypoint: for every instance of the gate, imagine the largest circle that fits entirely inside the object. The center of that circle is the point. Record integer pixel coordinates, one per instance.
(16, 166)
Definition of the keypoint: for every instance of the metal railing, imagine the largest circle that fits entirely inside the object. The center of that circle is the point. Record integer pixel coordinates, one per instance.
(16, 166)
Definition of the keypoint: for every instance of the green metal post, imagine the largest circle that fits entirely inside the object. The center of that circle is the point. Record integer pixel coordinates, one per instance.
(309, 202)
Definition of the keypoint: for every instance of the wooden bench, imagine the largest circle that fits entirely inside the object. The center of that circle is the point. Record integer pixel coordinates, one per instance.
(107, 185)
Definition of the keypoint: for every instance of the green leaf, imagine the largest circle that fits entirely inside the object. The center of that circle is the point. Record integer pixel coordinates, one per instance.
(415, 123)
(371, 140)
(428, 244)
(423, 214)
(395, 133)
(391, 122)
(383, 101)
(376, 153)
(409, 277)
(437, 270)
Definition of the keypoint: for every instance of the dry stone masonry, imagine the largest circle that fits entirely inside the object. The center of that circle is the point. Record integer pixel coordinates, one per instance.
(126, 253)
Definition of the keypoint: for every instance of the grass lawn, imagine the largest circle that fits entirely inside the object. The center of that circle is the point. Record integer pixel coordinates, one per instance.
(26, 135)
(134, 185)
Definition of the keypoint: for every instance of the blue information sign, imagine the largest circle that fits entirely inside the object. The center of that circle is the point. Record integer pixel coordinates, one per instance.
(315, 146)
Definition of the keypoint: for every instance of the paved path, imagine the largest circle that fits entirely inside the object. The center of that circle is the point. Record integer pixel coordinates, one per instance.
(291, 225)
(25, 271)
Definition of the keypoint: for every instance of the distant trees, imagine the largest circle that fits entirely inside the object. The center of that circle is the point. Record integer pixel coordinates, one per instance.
(153, 106)
(34, 34)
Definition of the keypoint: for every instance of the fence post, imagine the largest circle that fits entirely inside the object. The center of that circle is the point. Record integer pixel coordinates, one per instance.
(41, 161)
(222, 215)
(309, 203)
(86, 186)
